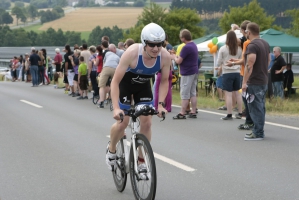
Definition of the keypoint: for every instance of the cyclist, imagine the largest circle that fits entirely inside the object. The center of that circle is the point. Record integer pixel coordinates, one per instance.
(132, 77)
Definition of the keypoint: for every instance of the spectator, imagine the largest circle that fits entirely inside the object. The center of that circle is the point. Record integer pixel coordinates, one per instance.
(27, 68)
(50, 68)
(69, 70)
(277, 73)
(129, 42)
(45, 66)
(92, 70)
(41, 69)
(270, 88)
(22, 74)
(82, 79)
(111, 61)
(14, 67)
(99, 62)
(231, 74)
(85, 53)
(256, 79)
(33, 62)
(288, 79)
(75, 62)
(121, 46)
(57, 62)
(219, 85)
(188, 61)
(168, 46)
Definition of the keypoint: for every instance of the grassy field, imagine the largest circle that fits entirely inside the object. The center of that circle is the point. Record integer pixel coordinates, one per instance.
(274, 107)
(34, 28)
(86, 19)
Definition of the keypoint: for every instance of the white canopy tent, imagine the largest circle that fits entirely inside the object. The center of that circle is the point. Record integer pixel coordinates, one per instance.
(221, 39)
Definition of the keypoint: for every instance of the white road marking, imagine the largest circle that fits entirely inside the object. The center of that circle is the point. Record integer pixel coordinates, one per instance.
(169, 161)
(269, 123)
(32, 104)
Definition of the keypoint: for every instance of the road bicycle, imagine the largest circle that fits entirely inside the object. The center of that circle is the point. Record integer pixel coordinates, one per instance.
(143, 182)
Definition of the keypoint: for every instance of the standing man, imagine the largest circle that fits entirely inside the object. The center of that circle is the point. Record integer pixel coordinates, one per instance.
(33, 62)
(257, 57)
(188, 61)
(277, 73)
(121, 46)
(85, 53)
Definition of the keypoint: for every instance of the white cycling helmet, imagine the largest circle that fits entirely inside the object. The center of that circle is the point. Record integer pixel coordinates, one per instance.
(152, 33)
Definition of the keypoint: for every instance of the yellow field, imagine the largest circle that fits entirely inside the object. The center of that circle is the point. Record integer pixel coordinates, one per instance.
(86, 19)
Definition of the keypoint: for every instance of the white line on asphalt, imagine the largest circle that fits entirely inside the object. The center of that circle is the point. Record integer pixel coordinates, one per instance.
(32, 104)
(169, 161)
(270, 123)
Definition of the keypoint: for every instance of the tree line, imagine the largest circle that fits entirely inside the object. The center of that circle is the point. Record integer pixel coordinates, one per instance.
(20, 37)
(272, 7)
(6, 4)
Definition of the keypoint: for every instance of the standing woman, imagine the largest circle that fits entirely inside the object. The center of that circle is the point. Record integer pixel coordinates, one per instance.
(231, 74)
(57, 62)
(45, 66)
(41, 69)
(99, 62)
(92, 70)
(75, 62)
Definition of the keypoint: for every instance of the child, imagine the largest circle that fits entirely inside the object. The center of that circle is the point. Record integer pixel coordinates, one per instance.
(82, 78)
(288, 79)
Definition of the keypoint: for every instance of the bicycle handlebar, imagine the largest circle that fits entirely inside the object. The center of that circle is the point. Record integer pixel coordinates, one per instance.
(144, 110)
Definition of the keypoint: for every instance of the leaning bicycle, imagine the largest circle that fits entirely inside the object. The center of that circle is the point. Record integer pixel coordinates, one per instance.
(138, 159)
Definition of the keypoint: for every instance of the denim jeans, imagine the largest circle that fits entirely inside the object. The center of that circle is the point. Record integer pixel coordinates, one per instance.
(278, 89)
(34, 74)
(94, 83)
(248, 119)
(41, 74)
(257, 108)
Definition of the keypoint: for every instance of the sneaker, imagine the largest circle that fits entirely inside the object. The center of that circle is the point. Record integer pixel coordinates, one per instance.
(226, 118)
(101, 105)
(245, 127)
(192, 115)
(72, 94)
(41, 84)
(86, 97)
(80, 98)
(251, 136)
(78, 94)
(238, 116)
(110, 159)
(66, 92)
(142, 170)
(235, 109)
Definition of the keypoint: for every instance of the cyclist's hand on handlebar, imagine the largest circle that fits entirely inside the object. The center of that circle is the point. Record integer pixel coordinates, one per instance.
(117, 112)
(161, 110)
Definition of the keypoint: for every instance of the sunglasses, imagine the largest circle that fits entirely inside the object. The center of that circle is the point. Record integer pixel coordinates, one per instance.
(154, 44)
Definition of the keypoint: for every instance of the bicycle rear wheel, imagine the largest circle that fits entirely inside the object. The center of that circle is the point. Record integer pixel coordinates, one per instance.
(119, 174)
(143, 189)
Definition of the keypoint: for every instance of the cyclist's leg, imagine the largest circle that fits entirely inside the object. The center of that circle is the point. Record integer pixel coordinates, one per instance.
(145, 126)
(117, 132)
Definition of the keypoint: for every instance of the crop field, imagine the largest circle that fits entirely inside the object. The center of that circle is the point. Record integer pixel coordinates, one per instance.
(86, 19)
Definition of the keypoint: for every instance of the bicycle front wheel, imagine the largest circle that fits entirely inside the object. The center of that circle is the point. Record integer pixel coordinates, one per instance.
(119, 173)
(143, 184)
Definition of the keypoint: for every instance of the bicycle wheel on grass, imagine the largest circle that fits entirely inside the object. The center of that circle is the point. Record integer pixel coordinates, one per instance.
(119, 174)
(143, 189)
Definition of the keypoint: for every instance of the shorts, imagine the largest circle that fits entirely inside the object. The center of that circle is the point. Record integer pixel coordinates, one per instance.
(219, 82)
(83, 82)
(108, 82)
(107, 72)
(70, 76)
(142, 94)
(58, 68)
(231, 82)
(188, 86)
(76, 77)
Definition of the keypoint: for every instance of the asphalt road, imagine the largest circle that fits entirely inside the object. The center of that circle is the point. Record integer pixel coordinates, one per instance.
(57, 151)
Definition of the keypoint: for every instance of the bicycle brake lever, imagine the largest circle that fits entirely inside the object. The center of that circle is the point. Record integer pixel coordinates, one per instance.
(163, 116)
(121, 116)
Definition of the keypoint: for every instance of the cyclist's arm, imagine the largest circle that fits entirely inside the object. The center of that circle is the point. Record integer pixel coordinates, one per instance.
(163, 88)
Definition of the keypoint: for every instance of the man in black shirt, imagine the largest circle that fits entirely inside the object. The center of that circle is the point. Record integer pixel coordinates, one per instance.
(69, 70)
(33, 62)
(277, 73)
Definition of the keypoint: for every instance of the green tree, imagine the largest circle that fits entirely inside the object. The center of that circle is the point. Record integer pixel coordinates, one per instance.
(9, 39)
(253, 12)
(134, 33)
(32, 12)
(95, 36)
(21, 38)
(32, 36)
(182, 18)
(294, 30)
(6, 18)
(152, 13)
(18, 12)
(73, 38)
